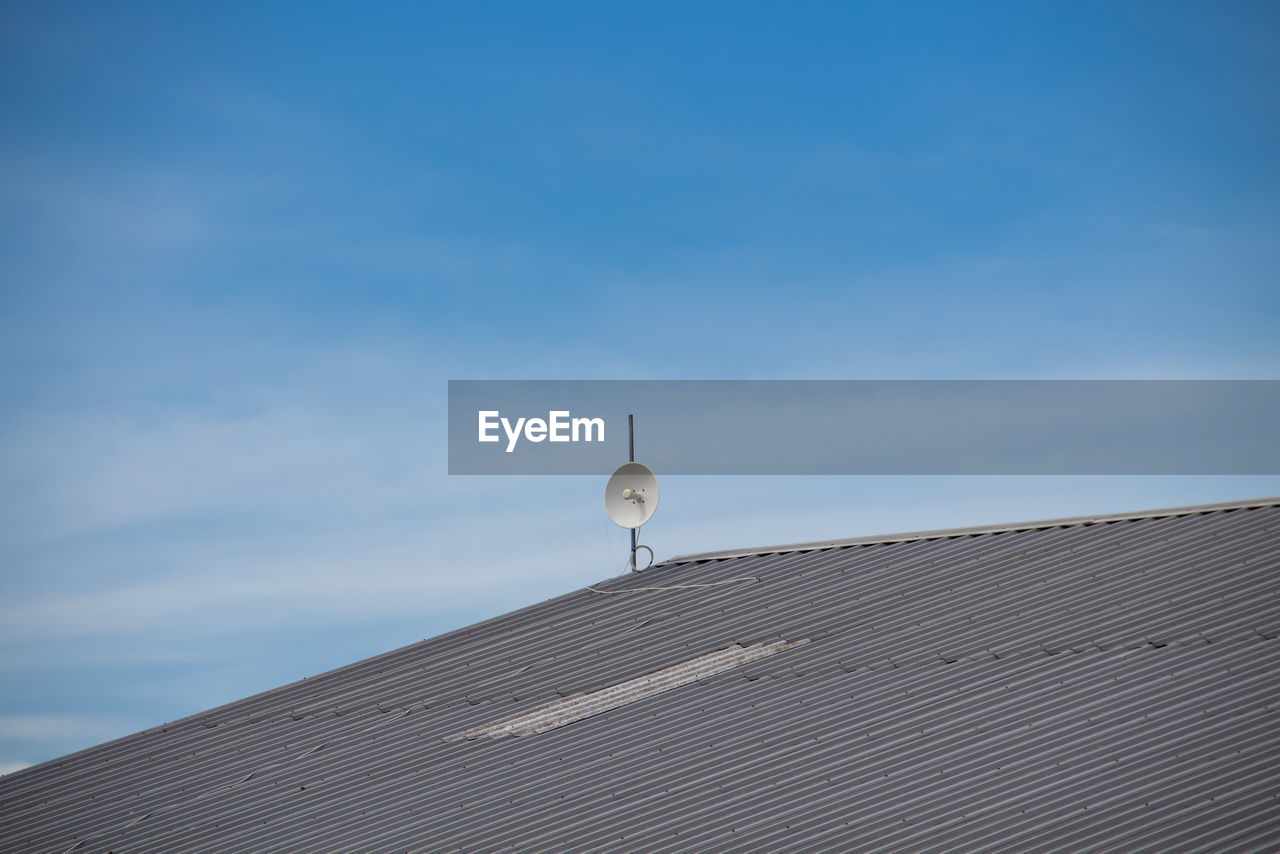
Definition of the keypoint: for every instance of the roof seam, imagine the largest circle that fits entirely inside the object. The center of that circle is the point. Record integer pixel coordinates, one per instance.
(946, 533)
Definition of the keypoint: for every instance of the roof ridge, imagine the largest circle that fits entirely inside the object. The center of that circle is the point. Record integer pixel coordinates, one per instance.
(942, 533)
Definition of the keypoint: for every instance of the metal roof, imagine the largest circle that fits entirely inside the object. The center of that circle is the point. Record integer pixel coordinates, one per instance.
(1092, 684)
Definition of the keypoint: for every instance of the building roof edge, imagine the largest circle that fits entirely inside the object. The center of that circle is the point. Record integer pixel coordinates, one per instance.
(942, 533)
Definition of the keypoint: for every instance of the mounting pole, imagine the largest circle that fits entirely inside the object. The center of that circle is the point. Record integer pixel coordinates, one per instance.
(631, 445)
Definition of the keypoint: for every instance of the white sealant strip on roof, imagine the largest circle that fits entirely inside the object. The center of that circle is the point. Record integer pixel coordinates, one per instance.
(576, 707)
(942, 533)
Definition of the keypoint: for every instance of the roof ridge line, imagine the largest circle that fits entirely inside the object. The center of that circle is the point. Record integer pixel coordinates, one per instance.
(942, 533)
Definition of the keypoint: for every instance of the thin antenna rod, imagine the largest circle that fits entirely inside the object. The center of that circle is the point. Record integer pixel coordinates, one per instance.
(631, 444)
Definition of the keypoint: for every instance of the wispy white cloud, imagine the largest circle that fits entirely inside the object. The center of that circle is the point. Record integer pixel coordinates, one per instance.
(10, 767)
(61, 728)
(149, 209)
(75, 474)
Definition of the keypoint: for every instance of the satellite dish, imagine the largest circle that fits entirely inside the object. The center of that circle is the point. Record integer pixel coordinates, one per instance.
(631, 495)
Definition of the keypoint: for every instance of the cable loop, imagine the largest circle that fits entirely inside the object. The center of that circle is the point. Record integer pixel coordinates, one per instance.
(634, 566)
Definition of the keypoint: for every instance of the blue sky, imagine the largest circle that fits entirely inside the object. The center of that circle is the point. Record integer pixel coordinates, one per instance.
(245, 246)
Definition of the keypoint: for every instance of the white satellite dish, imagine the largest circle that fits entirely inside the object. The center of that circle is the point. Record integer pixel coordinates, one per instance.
(631, 495)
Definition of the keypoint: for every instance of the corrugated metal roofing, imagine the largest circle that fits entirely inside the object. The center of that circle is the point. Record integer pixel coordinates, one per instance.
(1064, 686)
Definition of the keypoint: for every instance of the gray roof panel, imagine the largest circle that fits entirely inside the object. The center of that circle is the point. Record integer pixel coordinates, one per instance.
(1088, 685)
